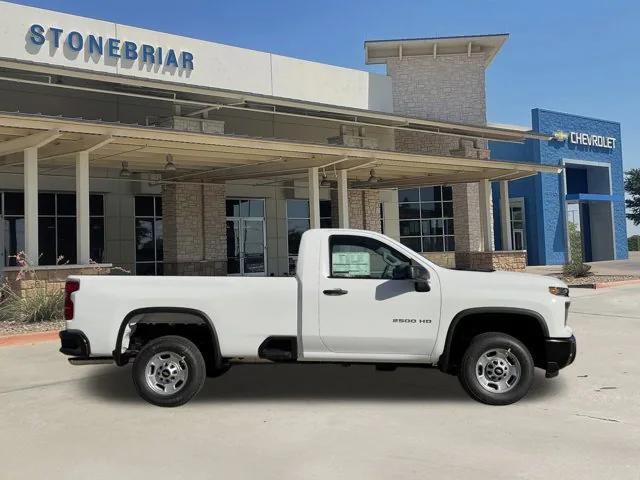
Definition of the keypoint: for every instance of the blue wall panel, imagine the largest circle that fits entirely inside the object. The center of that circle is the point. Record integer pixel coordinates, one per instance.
(543, 193)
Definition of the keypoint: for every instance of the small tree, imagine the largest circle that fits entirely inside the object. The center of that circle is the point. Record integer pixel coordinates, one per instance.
(575, 267)
(632, 187)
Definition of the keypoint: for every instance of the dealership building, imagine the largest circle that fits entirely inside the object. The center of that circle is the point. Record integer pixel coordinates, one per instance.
(160, 154)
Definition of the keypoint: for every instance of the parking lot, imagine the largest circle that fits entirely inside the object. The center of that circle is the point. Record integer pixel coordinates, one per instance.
(288, 421)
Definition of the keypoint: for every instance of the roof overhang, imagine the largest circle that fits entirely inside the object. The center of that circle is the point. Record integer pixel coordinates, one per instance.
(196, 99)
(220, 158)
(379, 51)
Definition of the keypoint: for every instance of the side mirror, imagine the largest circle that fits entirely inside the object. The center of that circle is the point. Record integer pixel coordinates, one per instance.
(420, 275)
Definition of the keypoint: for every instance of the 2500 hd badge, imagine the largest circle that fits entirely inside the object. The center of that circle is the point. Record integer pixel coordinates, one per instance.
(411, 320)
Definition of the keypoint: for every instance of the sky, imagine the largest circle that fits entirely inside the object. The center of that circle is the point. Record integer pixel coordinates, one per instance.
(578, 57)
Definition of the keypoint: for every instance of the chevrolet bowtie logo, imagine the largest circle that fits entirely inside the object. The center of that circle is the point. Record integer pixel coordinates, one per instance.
(560, 136)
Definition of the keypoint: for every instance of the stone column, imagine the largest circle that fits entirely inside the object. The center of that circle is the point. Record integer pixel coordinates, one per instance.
(448, 88)
(182, 223)
(194, 227)
(215, 226)
(364, 210)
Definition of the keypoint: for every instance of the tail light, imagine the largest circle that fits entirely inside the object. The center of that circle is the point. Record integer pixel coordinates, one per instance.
(69, 287)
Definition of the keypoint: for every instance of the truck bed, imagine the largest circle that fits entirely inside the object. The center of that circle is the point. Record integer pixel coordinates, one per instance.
(244, 310)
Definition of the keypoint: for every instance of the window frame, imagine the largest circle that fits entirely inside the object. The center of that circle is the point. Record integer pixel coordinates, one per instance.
(440, 204)
(55, 216)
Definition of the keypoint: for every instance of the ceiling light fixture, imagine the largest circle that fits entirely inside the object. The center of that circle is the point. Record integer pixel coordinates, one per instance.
(372, 177)
(170, 166)
(125, 172)
(325, 181)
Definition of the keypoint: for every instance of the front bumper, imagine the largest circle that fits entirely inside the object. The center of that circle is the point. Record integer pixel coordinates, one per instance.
(74, 343)
(559, 353)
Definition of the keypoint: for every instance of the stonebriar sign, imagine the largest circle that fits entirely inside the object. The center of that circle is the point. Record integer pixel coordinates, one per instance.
(111, 47)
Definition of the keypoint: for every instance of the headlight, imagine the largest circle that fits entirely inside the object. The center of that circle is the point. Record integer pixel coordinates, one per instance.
(561, 291)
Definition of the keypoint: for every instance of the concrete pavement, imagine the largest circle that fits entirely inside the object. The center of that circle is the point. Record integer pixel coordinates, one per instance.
(293, 422)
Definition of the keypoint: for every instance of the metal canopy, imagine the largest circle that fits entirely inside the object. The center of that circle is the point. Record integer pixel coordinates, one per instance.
(197, 100)
(221, 158)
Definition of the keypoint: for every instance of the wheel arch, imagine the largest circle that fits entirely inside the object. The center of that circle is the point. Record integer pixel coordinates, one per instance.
(446, 361)
(191, 316)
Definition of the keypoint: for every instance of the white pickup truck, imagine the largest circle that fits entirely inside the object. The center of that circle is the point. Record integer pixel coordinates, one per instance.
(357, 297)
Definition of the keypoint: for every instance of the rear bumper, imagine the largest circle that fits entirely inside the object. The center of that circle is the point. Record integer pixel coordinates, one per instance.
(560, 352)
(74, 343)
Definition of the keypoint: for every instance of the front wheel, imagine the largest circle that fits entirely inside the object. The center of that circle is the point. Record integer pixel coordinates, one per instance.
(169, 371)
(496, 369)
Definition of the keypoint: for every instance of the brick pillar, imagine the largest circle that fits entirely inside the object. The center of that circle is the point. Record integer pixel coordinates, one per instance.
(194, 229)
(364, 210)
(448, 88)
(215, 227)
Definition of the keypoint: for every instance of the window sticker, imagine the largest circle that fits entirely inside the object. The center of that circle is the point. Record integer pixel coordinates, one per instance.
(351, 264)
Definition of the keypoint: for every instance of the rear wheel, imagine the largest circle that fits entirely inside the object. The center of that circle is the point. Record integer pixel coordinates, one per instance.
(496, 369)
(169, 371)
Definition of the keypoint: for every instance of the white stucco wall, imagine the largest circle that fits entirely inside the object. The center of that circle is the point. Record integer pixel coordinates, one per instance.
(215, 65)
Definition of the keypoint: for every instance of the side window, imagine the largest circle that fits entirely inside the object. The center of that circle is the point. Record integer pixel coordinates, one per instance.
(353, 256)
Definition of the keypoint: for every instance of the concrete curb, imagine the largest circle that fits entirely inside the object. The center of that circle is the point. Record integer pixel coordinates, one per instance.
(607, 284)
(27, 338)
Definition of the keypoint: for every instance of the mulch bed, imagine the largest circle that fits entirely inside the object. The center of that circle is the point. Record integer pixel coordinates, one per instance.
(594, 279)
(17, 328)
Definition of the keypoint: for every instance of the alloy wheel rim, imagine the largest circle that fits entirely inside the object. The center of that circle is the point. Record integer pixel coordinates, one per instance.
(167, 373)
(498, 370)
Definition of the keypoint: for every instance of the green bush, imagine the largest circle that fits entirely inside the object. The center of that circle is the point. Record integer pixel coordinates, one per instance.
(575, 267)
(39, 305)
(634, 243)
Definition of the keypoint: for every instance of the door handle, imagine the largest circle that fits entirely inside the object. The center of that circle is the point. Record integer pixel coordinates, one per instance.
(335, 292)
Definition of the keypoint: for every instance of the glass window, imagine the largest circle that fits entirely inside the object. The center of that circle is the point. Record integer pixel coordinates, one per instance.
(66, 238)
(96, 239)
(96, 205)
(361, 257)
(56, 227)
(299, 221)
(426, 218)
(66, 204)
(47, 240)
(149, 235)
(145, 206)
(13, 239)
(13, 203)
(295, 229)
(245, 208)
(47, 204)
(297, 209)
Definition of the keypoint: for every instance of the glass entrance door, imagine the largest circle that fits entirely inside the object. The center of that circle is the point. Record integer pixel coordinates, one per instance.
(246, 246)
(246, 238)
(518, 229)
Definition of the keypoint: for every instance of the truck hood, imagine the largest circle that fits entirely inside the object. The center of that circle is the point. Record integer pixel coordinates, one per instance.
(510, 279)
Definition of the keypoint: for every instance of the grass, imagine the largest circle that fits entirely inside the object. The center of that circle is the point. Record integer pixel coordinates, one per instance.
(39, 305)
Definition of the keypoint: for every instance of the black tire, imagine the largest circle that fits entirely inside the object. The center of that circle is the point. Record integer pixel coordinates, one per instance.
(469, 378)
(193, 367)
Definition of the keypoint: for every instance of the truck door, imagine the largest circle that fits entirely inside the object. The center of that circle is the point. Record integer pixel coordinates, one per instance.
(367, 306)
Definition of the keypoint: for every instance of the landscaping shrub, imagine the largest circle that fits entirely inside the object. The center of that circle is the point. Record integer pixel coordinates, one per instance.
(575, 267)
(39, 305)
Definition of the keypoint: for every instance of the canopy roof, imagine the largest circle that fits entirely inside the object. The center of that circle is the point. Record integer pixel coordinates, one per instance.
(223, 157)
